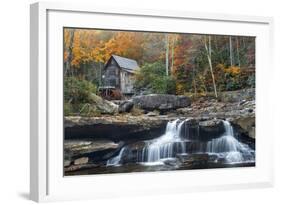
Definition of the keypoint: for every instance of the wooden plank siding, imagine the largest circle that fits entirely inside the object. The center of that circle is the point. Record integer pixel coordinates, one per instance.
(121, 78)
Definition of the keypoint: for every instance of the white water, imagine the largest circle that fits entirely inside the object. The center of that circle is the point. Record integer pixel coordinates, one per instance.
(171, 144)
(165, 146)
(228, 147)
(115, 161)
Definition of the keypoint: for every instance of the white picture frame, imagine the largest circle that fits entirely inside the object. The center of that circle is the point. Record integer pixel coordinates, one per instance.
(47, 182)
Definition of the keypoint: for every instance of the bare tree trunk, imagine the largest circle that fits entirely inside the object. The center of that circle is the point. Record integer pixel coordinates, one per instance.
(195, 87)
(244, 44)
(210, 48)
(237, 50)
(230, 51)
(216, 42)
(69, 51)
(173, 45)
(208, 52)
(167, 54)
(100, 74)
(193, 81)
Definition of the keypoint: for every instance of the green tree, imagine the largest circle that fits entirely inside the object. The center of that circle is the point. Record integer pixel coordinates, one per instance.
(152, 78)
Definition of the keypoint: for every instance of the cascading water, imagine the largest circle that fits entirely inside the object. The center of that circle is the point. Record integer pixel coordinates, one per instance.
(115, 161)
(164, 147)
(228, 147)
(180, 140)
(167, 145)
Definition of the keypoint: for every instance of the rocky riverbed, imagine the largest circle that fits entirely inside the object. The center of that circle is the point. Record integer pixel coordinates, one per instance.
(91, 141)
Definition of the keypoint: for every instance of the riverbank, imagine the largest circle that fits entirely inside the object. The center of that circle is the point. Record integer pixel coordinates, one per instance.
(91, 141)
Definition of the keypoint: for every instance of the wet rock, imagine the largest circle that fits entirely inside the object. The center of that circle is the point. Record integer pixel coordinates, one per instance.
(152, 114)
(125, 106)
(93, 150)
(245, 125)
(79, 167)
(80, 147)
(195, 129)
(80, 161)
(194, 160)
(172, 162)
(66, 163)
(211, 126)
(193, 157)
(161, 102)
(115, 128)
(137, 146)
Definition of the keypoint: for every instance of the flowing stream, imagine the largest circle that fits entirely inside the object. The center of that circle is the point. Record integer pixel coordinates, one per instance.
(177, 142)
(166, 146)
(228, 147)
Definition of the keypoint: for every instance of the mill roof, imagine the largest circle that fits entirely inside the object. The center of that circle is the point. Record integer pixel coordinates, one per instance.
(126, 63)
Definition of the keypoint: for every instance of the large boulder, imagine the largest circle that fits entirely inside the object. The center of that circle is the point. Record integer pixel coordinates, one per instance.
(161, 102)
(211, 128)
(245, 125)
(125, 106)
(203, 130)
(103, 106)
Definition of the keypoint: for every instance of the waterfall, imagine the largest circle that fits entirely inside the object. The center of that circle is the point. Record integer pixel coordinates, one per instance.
(166, 146)
(225, 143)
(229, 147)
(115, 161)
(179, 129)
(180, 140)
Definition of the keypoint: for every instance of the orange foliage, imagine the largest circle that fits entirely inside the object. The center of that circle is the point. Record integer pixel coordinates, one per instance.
(89, 45)
(84, 42)
(128, 44)
(233, 70)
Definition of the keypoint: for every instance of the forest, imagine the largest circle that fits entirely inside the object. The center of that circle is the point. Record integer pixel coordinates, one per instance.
(150, 101)
(170, 63)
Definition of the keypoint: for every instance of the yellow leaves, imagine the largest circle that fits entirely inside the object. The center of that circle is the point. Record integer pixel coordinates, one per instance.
(87, 45)
(179, 88)
(220, 66)
(128, 44)
(76, 51)
(84, 42)
(66, 37)
(65, 55)
(233, 70)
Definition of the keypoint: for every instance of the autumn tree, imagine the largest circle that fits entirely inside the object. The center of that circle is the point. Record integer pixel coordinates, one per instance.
(153, 48)
(209, 56)
(197, 63)
(68, 47)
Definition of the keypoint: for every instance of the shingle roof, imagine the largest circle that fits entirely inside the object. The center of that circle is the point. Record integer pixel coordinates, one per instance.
(126, 63)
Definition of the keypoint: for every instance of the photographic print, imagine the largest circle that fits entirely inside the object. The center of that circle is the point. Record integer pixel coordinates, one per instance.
(138, 101)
